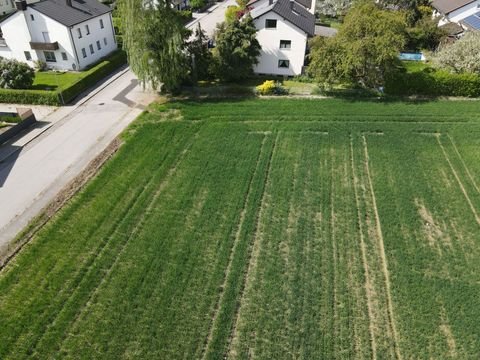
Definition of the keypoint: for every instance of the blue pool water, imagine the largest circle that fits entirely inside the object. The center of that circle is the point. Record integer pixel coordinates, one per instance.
(411, 56)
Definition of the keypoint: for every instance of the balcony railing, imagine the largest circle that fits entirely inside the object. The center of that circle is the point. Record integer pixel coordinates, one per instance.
(44, 46)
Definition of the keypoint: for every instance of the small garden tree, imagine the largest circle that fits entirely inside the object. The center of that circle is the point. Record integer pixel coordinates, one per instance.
(461, 56)
(15, 74)
(365, 49)
(237, 49)
(200, 56)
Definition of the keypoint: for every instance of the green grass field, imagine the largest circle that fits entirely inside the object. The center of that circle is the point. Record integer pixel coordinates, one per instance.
(266, 229)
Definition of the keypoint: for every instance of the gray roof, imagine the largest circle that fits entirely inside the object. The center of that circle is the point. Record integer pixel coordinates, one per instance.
(292, 12)
(305, 3)
(447, 6)
(325, 31)
(452, 29)
(80, 11)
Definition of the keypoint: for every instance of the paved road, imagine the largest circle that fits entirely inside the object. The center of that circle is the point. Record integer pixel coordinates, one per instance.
(33, 174)
(210, 18)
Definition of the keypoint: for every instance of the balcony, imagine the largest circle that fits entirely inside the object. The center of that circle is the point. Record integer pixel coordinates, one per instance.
(44, 46)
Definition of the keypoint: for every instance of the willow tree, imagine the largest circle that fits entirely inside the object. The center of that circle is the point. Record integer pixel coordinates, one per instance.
(154, 39)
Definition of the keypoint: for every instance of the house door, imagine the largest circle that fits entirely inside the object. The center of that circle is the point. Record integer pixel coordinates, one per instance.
(46, 37)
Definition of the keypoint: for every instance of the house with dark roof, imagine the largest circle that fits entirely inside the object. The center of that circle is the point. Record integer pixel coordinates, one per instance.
(283, 28)
(454, 10)
(65, 34)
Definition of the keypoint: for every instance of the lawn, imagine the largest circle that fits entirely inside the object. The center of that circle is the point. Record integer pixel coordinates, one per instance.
(268, 229)
(53, 80)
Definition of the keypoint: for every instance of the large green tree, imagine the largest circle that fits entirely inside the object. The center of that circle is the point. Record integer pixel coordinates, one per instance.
(237, 49)
(364, 50)
(154, 39)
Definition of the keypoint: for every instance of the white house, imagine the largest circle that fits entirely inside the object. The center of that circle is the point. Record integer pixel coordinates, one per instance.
(454, 10)
(283, 28)
(66, 34)
(6, 7)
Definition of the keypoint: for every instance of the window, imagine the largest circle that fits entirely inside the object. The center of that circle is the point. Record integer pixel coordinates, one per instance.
(84, 52)
(32, 17)
(101, 23)
(49, 56)
(285, 44)
(98, 45)
(79, 31)
(284, 64)
(87, 29)
(271, 24)
(105, 41)
(91, 48)
(28, 56)
(64, 56)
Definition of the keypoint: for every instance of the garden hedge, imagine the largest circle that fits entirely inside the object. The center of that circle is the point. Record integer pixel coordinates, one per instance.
(89, 78)
(431, 82)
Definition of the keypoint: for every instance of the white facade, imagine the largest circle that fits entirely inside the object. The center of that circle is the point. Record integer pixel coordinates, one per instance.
(272, 54)
(459, 14)
(105, 37)
(24, 27)
(6, 7)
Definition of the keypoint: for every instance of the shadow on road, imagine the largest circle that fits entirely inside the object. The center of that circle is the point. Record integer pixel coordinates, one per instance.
(7, 164)
(122, 95)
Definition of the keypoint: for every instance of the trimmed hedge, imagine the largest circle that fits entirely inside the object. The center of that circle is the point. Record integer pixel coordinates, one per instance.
(432, 82)
(89, 78)
(34, 97)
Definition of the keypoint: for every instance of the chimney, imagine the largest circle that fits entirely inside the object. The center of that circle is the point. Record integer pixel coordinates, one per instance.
(69, 3)
(21, 5)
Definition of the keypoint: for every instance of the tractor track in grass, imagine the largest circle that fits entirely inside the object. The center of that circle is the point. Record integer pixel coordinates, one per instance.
(253, 254)
(238, 233)
(459, 182)
(83, 270)
(383, 256)
(464, 164)
(368, 283)
(334, 249)
(137, 227)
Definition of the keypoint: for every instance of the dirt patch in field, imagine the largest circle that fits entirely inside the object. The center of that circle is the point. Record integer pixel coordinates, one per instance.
(435, 232)
(6, 255)
(448, 334)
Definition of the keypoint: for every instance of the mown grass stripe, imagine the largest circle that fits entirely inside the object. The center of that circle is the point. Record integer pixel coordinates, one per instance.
(252, 255)
(383, 256)
(206, 351)
(368, 283)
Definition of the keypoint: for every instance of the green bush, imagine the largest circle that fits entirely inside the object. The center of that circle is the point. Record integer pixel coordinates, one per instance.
(270, 87)
(15, 74)
(186, 15)
(432, 82)
(89, 78)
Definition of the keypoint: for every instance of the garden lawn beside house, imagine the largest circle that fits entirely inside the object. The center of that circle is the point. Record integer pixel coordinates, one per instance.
(55, 80)
(272, 229)
(57, 88)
